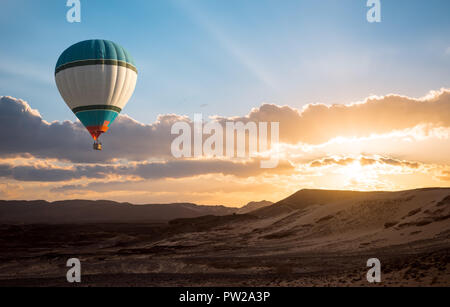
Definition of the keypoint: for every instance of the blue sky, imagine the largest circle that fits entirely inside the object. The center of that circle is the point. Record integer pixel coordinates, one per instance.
(226, 57)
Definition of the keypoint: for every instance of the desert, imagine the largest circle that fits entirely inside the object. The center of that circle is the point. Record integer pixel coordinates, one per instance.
(312, 238)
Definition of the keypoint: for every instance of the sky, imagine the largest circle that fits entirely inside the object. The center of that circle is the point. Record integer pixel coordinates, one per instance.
(361, 105)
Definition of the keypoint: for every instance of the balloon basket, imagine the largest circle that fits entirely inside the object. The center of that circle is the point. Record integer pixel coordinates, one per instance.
(98, 146)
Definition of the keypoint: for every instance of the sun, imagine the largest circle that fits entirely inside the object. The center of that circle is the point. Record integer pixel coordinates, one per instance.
(359, 177)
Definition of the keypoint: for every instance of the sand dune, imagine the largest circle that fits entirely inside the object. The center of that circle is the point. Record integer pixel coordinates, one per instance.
(340, 220)
(253, 206)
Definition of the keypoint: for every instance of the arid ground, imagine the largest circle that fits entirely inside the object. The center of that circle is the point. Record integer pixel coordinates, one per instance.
(312, 238)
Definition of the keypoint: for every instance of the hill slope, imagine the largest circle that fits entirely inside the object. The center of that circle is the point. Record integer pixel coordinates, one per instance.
(84, 211)
(254, 205)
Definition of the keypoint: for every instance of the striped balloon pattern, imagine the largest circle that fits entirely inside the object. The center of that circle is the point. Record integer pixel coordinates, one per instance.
(96, 79)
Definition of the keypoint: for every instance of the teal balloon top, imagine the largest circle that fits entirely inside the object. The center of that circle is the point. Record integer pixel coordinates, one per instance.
(94, 50)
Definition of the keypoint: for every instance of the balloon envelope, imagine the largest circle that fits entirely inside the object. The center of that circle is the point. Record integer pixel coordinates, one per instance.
(96, 78)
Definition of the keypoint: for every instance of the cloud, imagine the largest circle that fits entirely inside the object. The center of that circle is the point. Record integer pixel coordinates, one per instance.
(8, 190)
(444, 175)
(332, 161)
(319, 123)
(40, 173)
(188, 168)
(145, 170)
(23, 131)
(364, 161)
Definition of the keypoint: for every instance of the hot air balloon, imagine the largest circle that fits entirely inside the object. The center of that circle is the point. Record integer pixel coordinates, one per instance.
(96, 78)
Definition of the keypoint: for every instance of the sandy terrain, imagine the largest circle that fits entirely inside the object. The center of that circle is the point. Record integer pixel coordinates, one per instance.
(313, 238)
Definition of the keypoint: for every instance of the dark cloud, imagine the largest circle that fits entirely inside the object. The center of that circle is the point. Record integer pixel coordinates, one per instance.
(23, 131)
(156, 170)
(189, 168)
(332, 161)
(395, 162)
(50, 174)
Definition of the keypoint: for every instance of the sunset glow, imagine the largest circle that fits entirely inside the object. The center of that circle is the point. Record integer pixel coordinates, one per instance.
(352, 151)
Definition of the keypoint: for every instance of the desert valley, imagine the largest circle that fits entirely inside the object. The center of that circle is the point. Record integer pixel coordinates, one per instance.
(312, 238)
